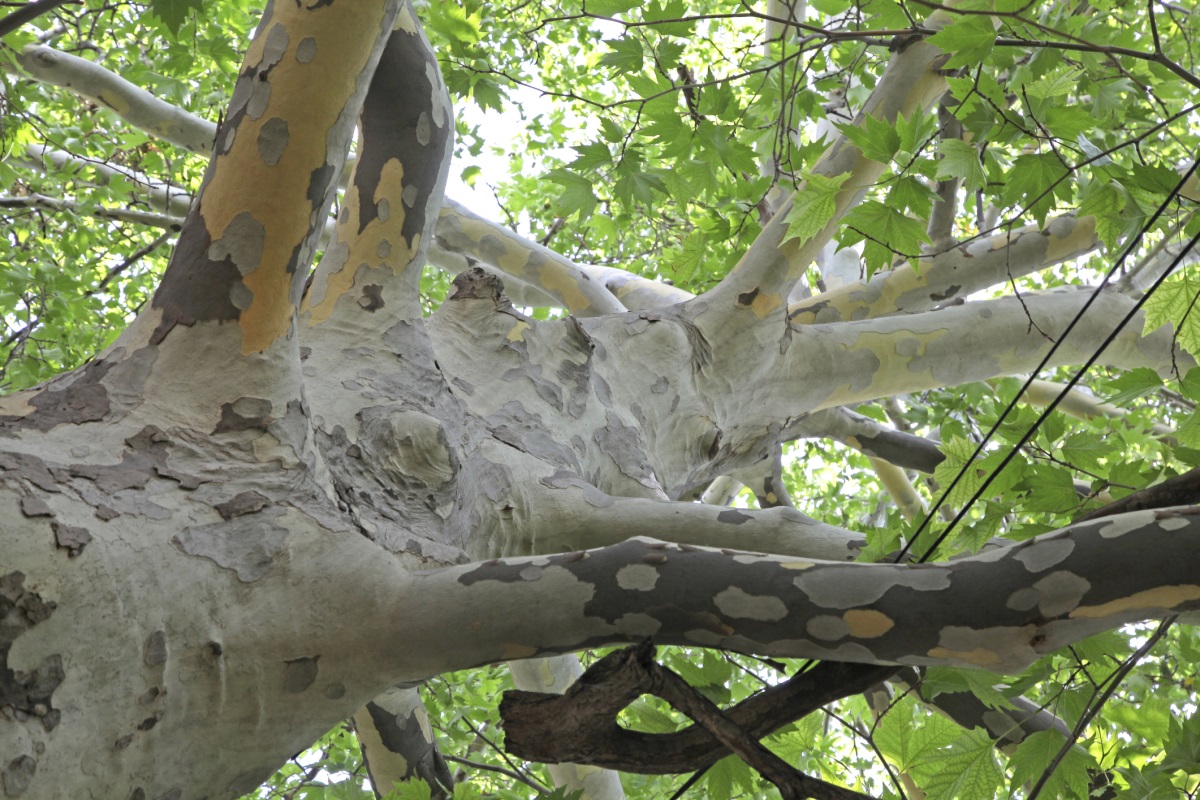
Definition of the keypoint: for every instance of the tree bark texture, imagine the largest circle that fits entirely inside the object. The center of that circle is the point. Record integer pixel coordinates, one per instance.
(271, 501)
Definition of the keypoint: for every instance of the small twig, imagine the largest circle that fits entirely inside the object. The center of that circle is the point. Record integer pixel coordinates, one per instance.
(1114, 681)
(466, 762)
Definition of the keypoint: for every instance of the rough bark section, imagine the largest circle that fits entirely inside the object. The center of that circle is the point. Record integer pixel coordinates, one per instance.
(581, 724)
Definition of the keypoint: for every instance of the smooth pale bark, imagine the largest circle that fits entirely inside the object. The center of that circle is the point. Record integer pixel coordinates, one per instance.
(253, 514)
(762, 280)
(132, 103)
(954, 273)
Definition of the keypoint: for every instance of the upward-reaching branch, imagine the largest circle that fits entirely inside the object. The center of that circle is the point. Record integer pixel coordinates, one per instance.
(244, 250)
(762, 279)
(394, 194)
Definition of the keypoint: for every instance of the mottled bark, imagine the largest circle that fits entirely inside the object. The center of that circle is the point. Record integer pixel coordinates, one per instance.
(262, 509)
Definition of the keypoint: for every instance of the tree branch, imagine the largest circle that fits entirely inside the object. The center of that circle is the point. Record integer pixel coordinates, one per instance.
(1001, 609)
(954, 273)
(42, 201)
(133, 104)
(581, 724)
(29, 12)
(960, 344)
(763, 278)
(369, 277)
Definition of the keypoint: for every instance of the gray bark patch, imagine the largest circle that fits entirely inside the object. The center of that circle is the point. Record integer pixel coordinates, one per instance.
(155, 650)
(34, 507)
(733, 517)
(241, 242)
(70, 538)
(248, 546)
(243, 503)
(18, 775)
(306, 51)
(273, 140)
(299, 674)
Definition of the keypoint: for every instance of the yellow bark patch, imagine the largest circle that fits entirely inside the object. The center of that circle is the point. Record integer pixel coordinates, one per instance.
(894, 370)
(1079, 240)
(847, 301)
(405, 21)
(797, 565)
(764, 304)
(310, 97)
(554, 278)
(517, 332)
(115, 102)
(867, 623)
(1162, 597)
(512, 651)
(381, 244)
(979, 656)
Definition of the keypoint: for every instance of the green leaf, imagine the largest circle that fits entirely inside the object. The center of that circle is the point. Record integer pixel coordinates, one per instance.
(577, 194)
(1132, 385)
(1070, 778)
(662, 12)
(488, 93)
(877, 139)
(626, 56)
(415, 789)
(913, 194)
(1050, 488)
(174, 13)
(960, 160)
(884, 13)
(1057, 84)
(1174, 303)
(814, 206)
(960, 679)
(1085, 449)
(1033, 181)
(969, 37)
(966, 771)
(609, 8)
(908, 744)
(692, 255)
(591, 157)
(611, 131)
(916, 130)
(889, 229)
(640, 186)
(1105, 203)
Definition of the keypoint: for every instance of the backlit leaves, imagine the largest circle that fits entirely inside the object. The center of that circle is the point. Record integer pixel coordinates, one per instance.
(813, 206)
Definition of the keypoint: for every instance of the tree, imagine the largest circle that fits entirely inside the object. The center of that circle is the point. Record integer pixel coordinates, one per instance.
(277, 500)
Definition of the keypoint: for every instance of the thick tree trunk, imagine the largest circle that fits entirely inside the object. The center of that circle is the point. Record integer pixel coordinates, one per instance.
(256, 511)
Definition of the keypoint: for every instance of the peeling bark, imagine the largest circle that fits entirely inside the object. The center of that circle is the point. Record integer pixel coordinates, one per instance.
(266, 506)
